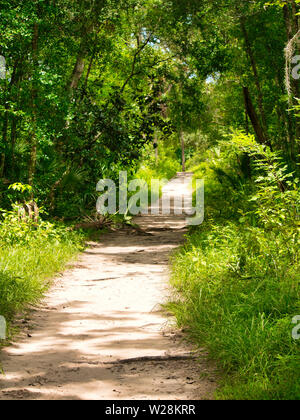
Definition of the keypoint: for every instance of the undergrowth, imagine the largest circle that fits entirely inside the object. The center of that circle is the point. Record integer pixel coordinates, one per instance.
(165, 167)
(237, 278)
(30, 254)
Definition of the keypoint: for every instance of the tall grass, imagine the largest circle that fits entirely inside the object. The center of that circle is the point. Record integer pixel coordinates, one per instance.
(30, 255)
(164, 168)
(25, 272)
(238, 298)
(237, 281)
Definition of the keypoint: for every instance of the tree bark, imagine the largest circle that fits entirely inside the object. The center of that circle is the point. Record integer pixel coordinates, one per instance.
(33, 137)
(295, 17)
(182, 150)
(88, 71)
(87, 28)
(13, 136)
(256, 77)
(292, 27)
(288, 22)
(155, 145)
(78, 68)
(13, 80)
(4, 140)
(254, 118)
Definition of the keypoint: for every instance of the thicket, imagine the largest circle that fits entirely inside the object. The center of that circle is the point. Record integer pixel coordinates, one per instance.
(30, 254)
(237, 277)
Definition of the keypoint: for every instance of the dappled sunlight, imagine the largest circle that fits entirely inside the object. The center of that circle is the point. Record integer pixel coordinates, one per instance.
(105, 308)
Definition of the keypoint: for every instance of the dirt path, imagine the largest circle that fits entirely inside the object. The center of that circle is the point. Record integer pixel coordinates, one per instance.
(104, 309)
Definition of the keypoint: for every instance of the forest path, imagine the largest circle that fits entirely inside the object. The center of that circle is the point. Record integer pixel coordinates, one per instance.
(103, 309)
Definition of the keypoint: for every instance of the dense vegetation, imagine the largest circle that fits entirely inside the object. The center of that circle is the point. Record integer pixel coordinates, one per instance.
(238, 275)
(94, 87)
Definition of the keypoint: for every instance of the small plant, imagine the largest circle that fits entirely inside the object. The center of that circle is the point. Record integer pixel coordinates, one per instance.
(32, 250)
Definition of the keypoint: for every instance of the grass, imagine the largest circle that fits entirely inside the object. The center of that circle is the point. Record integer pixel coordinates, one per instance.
(237, 287)
(165, 168)
(241, 309)
(26, 269)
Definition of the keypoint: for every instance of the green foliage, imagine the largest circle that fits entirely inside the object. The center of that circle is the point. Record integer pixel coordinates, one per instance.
(277, 199)
(238, 296)
(15, 229)
(30, 253)
(227, 185)
(237, 278)
(165, 168)
(18, 186)
(89, 85)
(65, 127)
(26, 270)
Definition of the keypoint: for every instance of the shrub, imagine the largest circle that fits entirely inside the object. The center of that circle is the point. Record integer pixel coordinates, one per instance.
(30, 253)
(237, 278)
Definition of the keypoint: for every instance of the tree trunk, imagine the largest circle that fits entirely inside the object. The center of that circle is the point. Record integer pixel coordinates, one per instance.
(33, 137)
(182, 150)
(13, 136)
(88, 73)
(32, 161)
(254, 118)
(13, 80)
(256, 77)
(295, 17)
(155, 145)
(2, 164)
(88, 26)
(4, 140)
(246, 121)
(292, 27)
(288, 22)
(78, 68)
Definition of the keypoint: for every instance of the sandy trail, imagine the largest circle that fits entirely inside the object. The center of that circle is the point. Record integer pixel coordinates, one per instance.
(103, 309)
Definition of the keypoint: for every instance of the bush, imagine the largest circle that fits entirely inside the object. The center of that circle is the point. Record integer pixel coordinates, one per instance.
(165, 168)
(237, 280)
(30, 254)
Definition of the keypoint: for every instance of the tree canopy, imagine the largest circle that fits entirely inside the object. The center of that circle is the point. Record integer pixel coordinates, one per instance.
(89, 83)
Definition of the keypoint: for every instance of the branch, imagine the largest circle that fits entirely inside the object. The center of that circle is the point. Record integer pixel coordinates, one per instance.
(136, 54)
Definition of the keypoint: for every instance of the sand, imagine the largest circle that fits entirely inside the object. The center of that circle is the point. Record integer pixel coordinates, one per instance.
(100, 332)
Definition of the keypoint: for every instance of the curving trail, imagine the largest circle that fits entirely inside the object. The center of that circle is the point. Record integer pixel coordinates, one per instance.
(100, 332)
